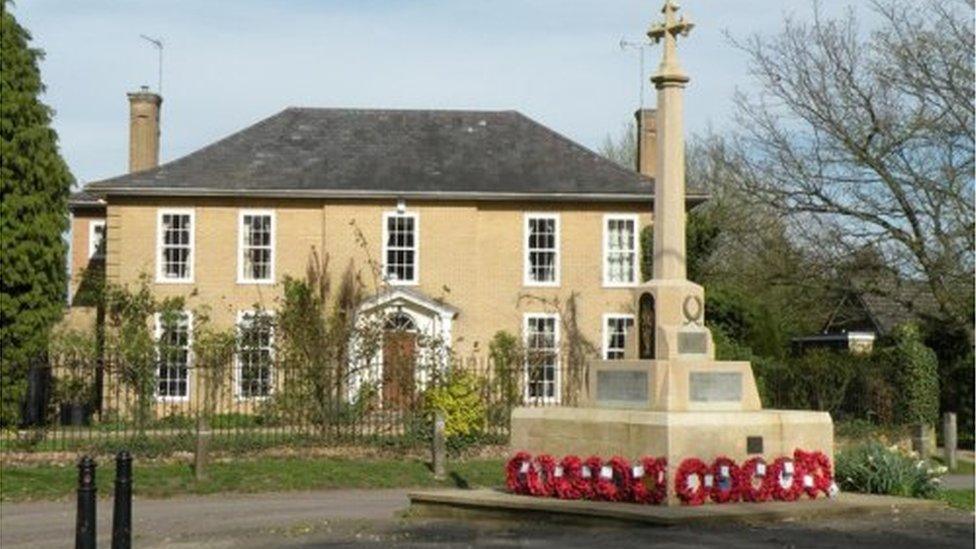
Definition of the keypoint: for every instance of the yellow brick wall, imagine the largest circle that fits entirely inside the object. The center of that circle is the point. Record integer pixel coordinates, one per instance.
(80, 234)
(471, 255)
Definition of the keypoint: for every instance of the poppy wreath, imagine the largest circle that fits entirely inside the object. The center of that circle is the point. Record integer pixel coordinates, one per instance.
(816, 466)
(691, 495)
(651, 486)
(591, 472)
(541, 483)
(755, 484)
(517, 473)
(787, 477)
(617, 487)
(725, 475)
(568, 481)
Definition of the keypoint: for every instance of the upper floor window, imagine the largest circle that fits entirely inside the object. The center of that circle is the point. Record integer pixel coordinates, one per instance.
(401, 234)
(541, 250)
(620, 250)
(174, 246)
(255, 251)
(255, 355)
(96, 238)
(615, 329)
(174, 338)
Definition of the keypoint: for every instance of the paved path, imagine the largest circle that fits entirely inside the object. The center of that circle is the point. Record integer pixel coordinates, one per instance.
(958, 482)
(345, 517)
(162, 522)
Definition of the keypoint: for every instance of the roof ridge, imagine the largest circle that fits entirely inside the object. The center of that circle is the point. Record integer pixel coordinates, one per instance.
(401, 110)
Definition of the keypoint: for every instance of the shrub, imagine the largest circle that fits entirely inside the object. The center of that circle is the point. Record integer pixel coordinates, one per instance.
(460, 400)
(914, 370)
(874, 469)
(507, 356)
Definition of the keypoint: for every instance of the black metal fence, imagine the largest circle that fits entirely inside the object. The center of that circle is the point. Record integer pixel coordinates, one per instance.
(244, 406)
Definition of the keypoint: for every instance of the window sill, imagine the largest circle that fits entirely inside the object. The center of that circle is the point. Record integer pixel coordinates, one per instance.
(174, 280)
(173, 399)
(619, 285)
(243, 282)
(403, 283)
(529, 284)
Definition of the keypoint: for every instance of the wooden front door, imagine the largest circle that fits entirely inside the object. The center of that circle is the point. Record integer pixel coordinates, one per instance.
(399, 360)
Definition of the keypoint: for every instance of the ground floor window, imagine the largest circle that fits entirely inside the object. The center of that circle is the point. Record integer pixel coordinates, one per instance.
(174, 333)
(615, 330)
(255, 355)
(542, 357)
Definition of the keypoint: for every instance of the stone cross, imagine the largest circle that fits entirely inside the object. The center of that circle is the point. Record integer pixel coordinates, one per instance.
(668, 30)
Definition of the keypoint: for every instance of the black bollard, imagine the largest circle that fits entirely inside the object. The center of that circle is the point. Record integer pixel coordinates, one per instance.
(85, 524)
(122, 515)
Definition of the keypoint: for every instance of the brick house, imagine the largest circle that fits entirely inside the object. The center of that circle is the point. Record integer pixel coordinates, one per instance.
(464, 212)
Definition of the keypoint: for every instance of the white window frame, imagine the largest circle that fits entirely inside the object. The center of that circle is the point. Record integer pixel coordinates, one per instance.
(607, 317)
(557, 375)
(241, 275)
(160, 278)
(634, 218)
(92, 248)
(238, 367)
(416, 247)
(526, 263)
(157, 317)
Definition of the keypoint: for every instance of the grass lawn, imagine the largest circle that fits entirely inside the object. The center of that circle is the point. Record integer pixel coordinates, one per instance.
(963, 468)
(959, 499)
(260, 475)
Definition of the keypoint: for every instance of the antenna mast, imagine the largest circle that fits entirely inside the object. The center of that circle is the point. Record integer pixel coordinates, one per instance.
(158, 43)
(639, 46)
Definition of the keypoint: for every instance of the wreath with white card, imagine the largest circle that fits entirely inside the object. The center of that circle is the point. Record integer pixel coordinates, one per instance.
(693, 481)
(725, 474)
(649, 481)
(754, 482)
(787, 479)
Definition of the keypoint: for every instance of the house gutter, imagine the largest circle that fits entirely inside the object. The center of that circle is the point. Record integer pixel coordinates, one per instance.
(692, 198)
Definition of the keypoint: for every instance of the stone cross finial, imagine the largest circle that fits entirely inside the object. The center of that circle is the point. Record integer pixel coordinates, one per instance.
(668, 30)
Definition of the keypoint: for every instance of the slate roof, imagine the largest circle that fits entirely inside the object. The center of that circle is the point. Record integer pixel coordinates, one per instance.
(881, 312)
(391, 153)
(910, 303)
(83, 199)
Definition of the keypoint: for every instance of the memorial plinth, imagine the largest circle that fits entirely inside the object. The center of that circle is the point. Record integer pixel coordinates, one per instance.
(670, 397)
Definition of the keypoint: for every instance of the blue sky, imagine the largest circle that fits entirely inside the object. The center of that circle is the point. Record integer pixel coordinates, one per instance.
(230, 63)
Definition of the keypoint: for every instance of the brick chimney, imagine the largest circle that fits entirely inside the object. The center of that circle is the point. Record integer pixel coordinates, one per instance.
(646, 141)
(144, 129)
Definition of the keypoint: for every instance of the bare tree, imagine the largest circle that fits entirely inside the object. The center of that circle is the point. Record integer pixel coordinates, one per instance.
(865, 140)
(622, 149)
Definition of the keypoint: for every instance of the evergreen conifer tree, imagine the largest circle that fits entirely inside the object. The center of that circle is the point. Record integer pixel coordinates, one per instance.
(35, 183)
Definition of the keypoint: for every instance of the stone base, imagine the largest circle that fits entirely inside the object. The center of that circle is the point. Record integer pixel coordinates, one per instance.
(494, 505)
(675, 435)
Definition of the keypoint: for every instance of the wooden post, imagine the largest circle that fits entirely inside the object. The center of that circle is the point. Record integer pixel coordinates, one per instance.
(439, 445)
(202, 448)
(949, 439)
